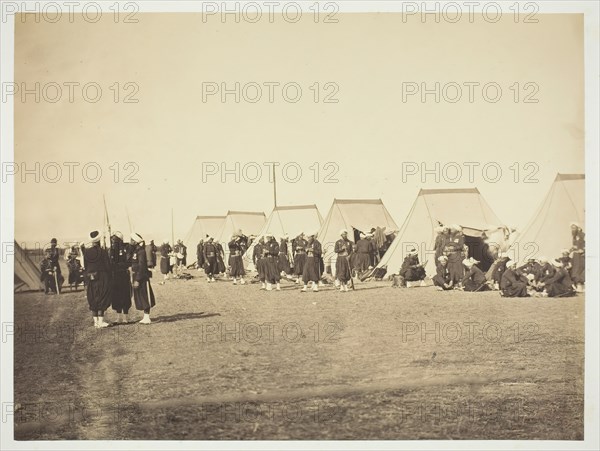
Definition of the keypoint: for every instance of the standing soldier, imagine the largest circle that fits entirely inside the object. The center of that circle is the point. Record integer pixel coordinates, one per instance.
(98, 276)
(272, 274)
(363, 252)
(47, 272)
(343, 249)
(54, 258)
(283, 261)
(578, 259)
(220, 258)
(259, 262)
(210, 259)
(75, 268)
(140, 274)
(200, 255)
(151, 254)
(165, 255)
(299, 248)
(121, 284)
(235, 259)
(312, 266)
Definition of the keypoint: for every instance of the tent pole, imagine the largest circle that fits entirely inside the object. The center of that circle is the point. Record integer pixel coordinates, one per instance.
(274, 188)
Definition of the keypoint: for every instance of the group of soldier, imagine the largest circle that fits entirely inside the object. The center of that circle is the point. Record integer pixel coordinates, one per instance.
(299, 259)
(112, 276)
(557, 277)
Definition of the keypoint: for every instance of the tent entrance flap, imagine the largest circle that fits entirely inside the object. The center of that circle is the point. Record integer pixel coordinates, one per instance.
(480, 251)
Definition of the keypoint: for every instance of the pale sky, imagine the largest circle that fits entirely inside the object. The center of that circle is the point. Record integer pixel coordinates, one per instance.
(368, 134)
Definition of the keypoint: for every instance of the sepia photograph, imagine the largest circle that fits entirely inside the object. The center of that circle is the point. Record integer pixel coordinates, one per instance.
(299, 224)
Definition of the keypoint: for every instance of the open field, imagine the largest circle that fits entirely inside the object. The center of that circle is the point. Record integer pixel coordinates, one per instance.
(233, 362)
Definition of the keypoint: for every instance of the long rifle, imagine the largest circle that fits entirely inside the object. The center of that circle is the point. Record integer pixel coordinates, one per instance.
(107, 221)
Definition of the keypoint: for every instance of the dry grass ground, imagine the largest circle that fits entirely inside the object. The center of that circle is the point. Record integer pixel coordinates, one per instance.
(233, 362)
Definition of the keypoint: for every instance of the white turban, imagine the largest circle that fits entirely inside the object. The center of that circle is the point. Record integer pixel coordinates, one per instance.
(136, 238)
(95, 236)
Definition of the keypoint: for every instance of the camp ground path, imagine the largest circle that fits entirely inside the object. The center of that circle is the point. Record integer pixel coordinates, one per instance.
(233, 362)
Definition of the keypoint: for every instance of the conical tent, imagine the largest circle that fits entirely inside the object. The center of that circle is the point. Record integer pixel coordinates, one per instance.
(27, 274)
(203, 225)
(435, 207)
(349, 214)
(548, 232)
(288, 220)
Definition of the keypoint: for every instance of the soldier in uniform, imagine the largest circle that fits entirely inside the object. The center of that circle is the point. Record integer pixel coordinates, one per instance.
(513, 284)
(98, 276)
(140, 274)
(343, 249)
(200, 255)
(165, 256)
(47, 272)
(271, 252)
(151, 254)
(259, 262)
(442, 280)
(55, 257)
(412, 270)
(578, 259)
(299, 249)
(312, 266)
(210, 259)
(121, 283)
(75, 268)
(235, 259)
(283, 261)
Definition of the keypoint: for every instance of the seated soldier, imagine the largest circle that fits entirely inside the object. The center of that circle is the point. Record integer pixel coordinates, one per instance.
(560, 284)
(513, 283)
(474, 279)
(442, 280)
(412, 270)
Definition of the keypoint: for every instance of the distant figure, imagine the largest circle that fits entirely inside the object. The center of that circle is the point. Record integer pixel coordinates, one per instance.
(442, 278)
(165, 256)
(200, 255)
(119, 254)
(98, 276)
(210, 259)
(312, 267)
(235, 259)
(363, 250)
(283, 260)
(55, 257)
(474, 279)
(140, 274)
(75, 268)
(259, 262)
(343, 249)
(181, 253)
(513, 284)
(454, 250)
(49, 276)
(220, 258)
(578, 259)
(299, 249)
(151, 254)
(272, 273)
(411, 270)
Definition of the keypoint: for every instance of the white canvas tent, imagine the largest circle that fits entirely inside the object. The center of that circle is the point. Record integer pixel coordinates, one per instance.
(250, 222)
(434, 207)
(288, 220)
(203, 225)
(27, 274)
(549, 232)
(349, 214)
